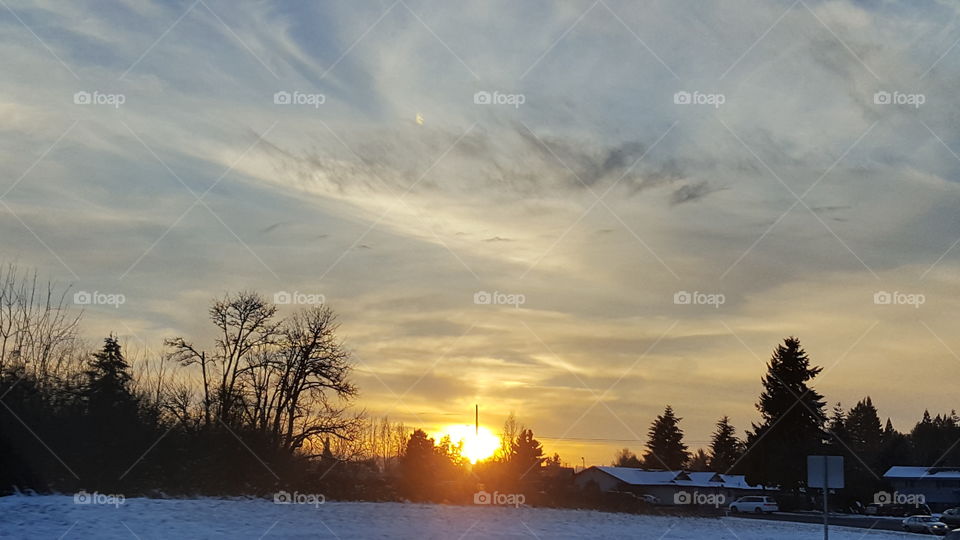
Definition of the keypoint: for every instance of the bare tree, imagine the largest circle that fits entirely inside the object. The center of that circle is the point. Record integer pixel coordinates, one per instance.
(38, 334)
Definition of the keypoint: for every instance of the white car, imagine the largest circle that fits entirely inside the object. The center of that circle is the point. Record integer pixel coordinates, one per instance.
(754, 503)
(925, 524)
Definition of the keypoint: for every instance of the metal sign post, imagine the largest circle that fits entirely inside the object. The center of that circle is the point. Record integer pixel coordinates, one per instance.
(825, 472)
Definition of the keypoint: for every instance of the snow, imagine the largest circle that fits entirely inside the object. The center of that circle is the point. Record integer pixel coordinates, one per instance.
(57, 516)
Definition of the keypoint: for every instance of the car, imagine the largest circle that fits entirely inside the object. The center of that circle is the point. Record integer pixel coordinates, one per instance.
(754, 503)
(951, 517)
(953, 535)
(925, 524)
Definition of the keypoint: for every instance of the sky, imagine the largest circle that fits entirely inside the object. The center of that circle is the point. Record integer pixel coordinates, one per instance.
(578, 212)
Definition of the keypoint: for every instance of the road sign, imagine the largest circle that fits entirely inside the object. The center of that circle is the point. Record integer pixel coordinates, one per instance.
(825, 469)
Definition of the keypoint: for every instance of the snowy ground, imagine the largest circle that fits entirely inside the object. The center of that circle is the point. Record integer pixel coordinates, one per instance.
(59, 517)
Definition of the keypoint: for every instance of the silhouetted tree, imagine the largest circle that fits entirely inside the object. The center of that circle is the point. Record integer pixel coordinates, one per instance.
(725, 447)
(665, 448)
(526, 458)
(792, 420)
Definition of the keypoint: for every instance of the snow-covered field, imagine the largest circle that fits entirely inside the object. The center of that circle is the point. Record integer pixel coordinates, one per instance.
(59, 517)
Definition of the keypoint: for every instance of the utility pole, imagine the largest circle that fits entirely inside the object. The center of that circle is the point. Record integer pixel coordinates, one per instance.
(476, 419)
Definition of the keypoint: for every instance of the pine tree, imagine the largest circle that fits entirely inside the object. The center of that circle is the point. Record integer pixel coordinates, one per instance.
(526, 457)
(863, 436)
(725, 447)
(792, 420)
(108, 379)
(665, 444)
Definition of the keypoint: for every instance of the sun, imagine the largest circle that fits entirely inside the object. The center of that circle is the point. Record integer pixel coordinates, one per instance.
(478, 444)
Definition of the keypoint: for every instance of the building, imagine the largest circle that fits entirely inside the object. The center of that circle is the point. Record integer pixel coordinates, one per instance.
(670, 487)
(940, 486)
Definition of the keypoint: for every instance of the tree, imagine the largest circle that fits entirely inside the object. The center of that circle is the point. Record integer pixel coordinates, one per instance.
(725, 447)
(626, 458)
(418, 466)
(665, 448)
(862, 436)
(792, 420)
(108, 380)
(526, 457)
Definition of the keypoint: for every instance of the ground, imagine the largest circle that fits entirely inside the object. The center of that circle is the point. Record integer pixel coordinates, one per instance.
(60, 517)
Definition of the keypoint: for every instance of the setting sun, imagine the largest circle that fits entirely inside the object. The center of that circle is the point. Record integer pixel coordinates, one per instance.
(477, 444)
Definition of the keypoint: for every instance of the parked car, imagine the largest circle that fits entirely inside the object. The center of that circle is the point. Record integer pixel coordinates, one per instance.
(951, 517)
(925, 524)
(953, 535)
(757, 504)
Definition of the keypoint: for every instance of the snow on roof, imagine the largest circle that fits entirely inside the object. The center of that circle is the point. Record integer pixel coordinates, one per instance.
(644, 477)
(921, 472)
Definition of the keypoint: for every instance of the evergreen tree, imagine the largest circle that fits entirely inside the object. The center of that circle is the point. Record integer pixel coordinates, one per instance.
(418, 467)
(792, 420)
(526, 457)
(863, 431)
(626, 458)
(665, 448)
(725, 447)
(108, 380)
(894, 448)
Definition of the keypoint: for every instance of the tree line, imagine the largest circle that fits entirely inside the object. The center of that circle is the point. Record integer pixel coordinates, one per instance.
(244, 414)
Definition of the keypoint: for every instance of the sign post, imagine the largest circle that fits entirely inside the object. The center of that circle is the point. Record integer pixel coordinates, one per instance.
(825, 472)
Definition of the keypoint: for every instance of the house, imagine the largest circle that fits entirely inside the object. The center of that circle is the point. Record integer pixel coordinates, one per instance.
(939, 486)
(670, 487)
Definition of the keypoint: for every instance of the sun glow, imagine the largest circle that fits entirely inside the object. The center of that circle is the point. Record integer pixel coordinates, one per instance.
(477, 445)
